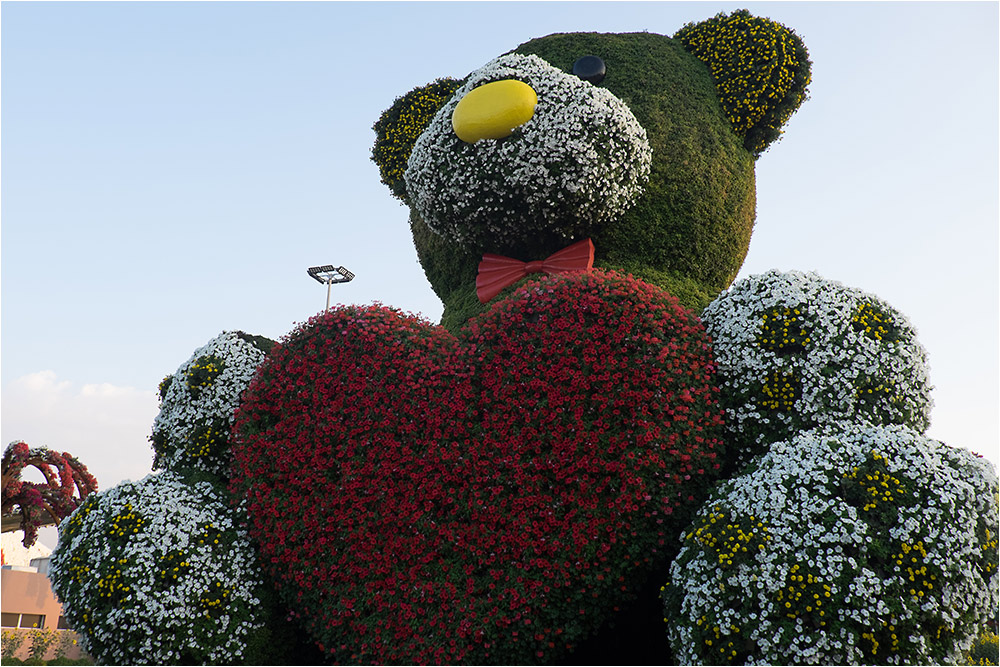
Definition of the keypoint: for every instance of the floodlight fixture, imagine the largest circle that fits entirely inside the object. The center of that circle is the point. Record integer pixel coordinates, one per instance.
(328, 275)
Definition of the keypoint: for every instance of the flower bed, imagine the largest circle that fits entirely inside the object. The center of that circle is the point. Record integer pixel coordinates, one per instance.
(486, 499)
(858, 544)
(43, 646)
(796, 351)
(158, 572)
(197, 403)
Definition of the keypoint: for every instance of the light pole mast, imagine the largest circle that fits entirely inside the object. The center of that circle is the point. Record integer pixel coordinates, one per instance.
(329, 275)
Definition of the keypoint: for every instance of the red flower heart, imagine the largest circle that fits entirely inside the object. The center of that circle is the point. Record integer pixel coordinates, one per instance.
(423, 498)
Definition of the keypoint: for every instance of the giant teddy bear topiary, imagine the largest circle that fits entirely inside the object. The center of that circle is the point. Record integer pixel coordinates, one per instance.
(497, 492)
(504, 487)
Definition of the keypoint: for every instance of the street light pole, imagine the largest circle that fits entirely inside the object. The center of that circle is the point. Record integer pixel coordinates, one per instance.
(328, 275)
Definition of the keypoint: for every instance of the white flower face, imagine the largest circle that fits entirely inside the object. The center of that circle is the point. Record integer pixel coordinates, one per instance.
(580, 162)
(192, 428)
(796, 351)
(844, 545)
(158, 572)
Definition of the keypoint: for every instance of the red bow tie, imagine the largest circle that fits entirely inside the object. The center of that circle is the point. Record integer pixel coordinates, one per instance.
(497, 272)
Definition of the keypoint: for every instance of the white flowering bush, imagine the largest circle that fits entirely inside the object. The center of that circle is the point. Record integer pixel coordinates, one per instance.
(581, 161)
(844, 545)
(796, 351)
(198, 402)
(159, 571)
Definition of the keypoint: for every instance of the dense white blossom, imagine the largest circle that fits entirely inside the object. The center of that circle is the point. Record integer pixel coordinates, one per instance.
(199, 400)
(579, 162)
(158, 571)
(796, 351)
(847, 544)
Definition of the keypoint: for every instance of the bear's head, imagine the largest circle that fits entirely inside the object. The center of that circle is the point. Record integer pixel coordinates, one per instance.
(643, 143)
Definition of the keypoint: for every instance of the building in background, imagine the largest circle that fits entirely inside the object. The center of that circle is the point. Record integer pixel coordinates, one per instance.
(28, 605)
(27, 598)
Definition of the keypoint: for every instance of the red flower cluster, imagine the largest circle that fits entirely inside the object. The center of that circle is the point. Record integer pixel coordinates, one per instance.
(40, 504)
(488, 499)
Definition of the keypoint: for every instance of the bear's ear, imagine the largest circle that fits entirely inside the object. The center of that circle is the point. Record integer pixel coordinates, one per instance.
(398, 127)
(761, 70)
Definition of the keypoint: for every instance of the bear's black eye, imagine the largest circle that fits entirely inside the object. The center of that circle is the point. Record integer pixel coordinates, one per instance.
(590, 68)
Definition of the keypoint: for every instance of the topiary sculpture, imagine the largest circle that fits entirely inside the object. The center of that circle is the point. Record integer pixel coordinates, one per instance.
(499, 488)
(496, 492)
(30, 505)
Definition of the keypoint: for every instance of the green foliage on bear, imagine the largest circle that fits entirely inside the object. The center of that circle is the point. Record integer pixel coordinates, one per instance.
(695, 218)
(690, 230)
(709, 101)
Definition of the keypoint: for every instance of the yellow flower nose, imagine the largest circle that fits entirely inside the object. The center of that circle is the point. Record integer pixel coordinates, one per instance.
(493, 110)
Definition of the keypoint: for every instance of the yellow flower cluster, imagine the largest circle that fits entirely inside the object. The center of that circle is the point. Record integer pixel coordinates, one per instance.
(205, 441)
(876, 392)
(871, 321)
(110, 585)
(209, 534)
(729, 538)
(989, 548)
(783, 329)
(214, 600)
(75, 521)
(723, 642)
(172, 565)
(779, 392)
(887, 634)
(756, 64)
(401, 124)
(202, 373)
(128, 522)
(164, 386)
(804, 596)
(879, 485)
(984, 650)
(918, 580)
(77, 570)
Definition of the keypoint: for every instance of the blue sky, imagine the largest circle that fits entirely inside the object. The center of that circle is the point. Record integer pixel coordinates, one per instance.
(170, 170)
